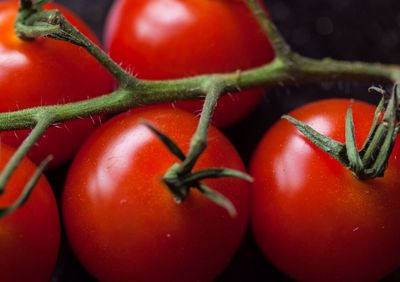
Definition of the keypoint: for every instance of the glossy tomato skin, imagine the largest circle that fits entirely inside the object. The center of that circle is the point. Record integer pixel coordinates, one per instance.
(123, 223)
(311, 217)
(29, 237)
(179, 38)
(46, 72)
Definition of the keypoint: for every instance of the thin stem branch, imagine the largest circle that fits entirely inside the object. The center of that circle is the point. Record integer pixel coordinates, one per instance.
(30, 185)
(155, 92)
(287, 68)
(53, 24)
(43, 122)
(281, 48)
(213, 88)
(124, 79)
(179, 178)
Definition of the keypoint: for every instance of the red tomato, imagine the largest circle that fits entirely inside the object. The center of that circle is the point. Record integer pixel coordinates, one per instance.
(311, 217)
(29, 237)
(122, 221)
(45, 72)
(179, 38)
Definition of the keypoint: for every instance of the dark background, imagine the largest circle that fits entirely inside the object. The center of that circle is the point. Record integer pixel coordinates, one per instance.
(343, 29)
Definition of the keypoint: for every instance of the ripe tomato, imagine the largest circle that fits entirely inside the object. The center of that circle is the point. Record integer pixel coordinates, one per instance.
(45, 72)
(179, 38)
(29, 237)
(310, 216)
(122, 221)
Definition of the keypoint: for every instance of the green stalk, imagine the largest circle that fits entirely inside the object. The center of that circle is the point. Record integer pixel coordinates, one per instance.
(288, 68)
(199, 140)
(4, 211)
(43, 122)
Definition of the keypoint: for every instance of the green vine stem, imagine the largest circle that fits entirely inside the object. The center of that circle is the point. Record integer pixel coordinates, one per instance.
(282, 50)
(199, 141)
(287, 68)
(180, 178)
(43, 122)
(33, 22)
(27, 190)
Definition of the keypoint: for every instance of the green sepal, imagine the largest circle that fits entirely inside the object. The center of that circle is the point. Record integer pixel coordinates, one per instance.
(334, 148)
(355, 162)
(167, 141)
(197, 176)
(374, 125)
(179, 184)
(218, 199)
(389, 123)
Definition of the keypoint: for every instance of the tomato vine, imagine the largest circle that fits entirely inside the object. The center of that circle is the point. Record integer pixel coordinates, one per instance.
(287, 68)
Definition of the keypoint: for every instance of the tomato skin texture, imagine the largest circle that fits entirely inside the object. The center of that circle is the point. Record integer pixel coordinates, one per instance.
(29, 237)
(123, 223)
(310, 216)
(47, 72)
(175, 38)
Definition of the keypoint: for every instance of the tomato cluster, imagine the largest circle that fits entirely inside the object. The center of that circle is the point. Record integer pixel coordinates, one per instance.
(309, 216)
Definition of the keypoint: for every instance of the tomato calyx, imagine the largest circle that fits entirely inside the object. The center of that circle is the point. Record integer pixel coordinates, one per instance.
(371, 160)
(180, 177)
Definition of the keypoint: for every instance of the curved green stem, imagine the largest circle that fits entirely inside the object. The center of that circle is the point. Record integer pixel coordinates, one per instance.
(27, 190)
(198, 143)
(124, 79)
(154, 92)
(43, 122)
(378, 111)
(218, 199)
(286, 69)
(281, 48)
(51, 23)
(355, 162)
